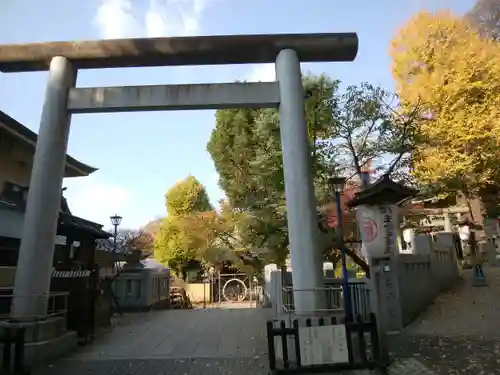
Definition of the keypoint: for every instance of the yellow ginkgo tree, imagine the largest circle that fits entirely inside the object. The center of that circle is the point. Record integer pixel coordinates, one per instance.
(443, 64)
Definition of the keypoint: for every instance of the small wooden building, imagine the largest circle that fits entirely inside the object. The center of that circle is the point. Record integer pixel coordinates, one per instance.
(76, 266)
(17, 149)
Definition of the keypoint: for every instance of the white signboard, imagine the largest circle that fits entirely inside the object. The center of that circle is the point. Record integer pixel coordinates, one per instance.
(321, 345)
(379, 229)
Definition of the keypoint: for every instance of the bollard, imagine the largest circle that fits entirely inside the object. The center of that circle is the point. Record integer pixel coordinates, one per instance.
(479, 279)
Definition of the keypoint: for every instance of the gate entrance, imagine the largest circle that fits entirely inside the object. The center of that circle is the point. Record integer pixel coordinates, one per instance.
(231, 287)
(64, 59)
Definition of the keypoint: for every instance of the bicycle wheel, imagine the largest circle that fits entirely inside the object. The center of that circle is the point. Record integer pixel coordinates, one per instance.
(234, 290)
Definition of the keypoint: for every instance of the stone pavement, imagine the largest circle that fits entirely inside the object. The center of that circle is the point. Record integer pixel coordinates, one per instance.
(199, 366)
(460, 333)
(409, 366)
(176, 342)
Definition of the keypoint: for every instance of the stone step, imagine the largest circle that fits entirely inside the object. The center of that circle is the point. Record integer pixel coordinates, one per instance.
(39, 331)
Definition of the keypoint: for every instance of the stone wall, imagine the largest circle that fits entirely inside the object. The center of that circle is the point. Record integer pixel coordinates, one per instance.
(423, 275)
(198, 292)
(408, 283)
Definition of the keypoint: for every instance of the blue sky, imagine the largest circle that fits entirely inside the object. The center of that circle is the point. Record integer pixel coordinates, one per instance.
(140, 155)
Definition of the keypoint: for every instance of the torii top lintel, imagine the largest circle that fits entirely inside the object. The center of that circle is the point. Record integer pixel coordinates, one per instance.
(200, 50)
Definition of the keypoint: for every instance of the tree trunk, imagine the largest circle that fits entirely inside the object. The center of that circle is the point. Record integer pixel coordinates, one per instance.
(358, 260)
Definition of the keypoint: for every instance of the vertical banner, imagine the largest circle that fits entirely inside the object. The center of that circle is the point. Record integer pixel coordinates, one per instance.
(379, 229)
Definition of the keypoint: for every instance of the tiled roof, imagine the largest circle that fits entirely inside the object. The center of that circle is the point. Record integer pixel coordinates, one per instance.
(12, 220)
(22, 132)
(12, 207)
(75, 222)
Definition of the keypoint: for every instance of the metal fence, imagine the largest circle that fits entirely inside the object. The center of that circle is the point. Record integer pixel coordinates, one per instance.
(333, 296)
(57, 303)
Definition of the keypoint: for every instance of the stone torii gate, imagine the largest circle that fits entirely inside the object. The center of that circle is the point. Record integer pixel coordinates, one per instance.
(62, 99)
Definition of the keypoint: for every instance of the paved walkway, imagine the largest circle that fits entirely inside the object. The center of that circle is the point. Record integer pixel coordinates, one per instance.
(222, 341)
(176, 342)
(460, 333)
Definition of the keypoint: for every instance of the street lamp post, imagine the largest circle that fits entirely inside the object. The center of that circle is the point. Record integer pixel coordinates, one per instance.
(336, 185)
(116, 221)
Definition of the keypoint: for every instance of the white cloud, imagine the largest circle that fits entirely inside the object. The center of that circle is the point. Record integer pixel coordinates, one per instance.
(94, 199)
(173, 17)
(155, 25)
(262, 73)
(115, 18)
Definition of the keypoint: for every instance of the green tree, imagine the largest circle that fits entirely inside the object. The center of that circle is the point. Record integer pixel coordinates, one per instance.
(186, 197)
(174, 245)
(346, 131)
(211, 235)
(246, 149)
(215, 237)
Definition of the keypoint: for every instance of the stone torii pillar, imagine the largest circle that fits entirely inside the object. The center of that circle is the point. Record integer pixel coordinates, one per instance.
(36, 253)
(62, 99)
(307, 266)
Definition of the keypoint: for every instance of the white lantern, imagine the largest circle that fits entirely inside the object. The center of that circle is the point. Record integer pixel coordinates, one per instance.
(379, 228)
(408, 235)
(464, 232)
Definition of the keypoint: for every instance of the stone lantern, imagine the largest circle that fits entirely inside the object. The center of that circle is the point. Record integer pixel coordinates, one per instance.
(133, 261)
(378, 219)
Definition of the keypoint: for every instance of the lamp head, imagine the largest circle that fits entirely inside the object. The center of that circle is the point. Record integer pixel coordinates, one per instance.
(116, 219)
(336, 184)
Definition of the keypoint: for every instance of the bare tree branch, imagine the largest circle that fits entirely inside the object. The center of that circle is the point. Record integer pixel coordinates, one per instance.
(128, 240)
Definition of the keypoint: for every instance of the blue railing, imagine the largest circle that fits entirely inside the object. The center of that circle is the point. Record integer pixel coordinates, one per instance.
(333, 294)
